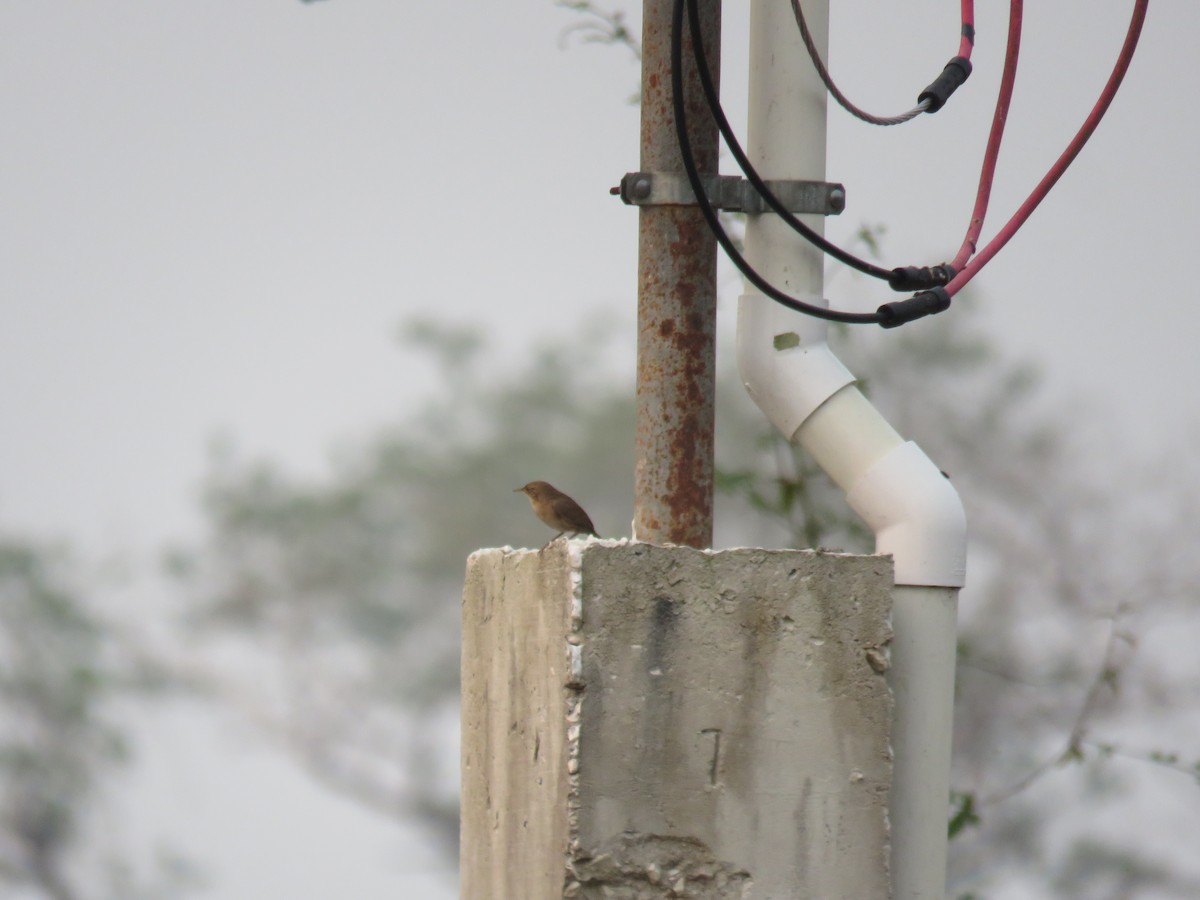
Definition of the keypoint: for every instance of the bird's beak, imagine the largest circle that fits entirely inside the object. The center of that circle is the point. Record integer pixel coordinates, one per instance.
(518, 490)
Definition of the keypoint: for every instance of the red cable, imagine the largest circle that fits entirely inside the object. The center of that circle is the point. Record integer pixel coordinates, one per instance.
(992, 153)
(967, 43)
(1051, 177)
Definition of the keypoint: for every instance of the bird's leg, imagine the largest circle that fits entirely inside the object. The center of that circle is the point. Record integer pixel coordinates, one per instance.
(552, 540)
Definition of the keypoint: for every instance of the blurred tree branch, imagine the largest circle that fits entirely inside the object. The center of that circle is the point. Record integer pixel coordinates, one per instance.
(600, 26)
(61, 668)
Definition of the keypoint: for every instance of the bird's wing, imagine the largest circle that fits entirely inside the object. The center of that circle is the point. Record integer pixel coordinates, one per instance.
(569, 510)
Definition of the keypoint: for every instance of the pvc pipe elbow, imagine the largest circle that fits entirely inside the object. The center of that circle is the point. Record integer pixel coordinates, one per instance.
(790, 372)
(784, 362)
(917, 517)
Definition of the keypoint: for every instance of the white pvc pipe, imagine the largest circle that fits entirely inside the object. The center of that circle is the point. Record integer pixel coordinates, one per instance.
(922, 680)
(809, 395)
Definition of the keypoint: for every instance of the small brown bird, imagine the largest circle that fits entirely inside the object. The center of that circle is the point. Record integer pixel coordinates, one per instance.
(557, 510)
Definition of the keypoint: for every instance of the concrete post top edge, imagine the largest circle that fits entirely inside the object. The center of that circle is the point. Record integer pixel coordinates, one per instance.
(576, 547)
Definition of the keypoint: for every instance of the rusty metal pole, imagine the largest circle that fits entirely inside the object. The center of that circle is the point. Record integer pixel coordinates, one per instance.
(677, 301)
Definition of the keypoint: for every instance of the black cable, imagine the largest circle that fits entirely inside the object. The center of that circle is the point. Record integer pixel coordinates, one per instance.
(718, 114)
(706, 207)
(889, 315)
(930, 100)
(902, 278)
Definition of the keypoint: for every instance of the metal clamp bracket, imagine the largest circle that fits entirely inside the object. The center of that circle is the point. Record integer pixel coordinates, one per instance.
(731, 193)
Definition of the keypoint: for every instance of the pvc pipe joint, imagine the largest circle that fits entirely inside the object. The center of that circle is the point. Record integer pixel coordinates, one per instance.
(785, 364)
(807, 393)
(917, 517)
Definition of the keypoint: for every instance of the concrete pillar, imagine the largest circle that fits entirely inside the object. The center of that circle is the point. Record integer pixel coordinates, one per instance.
(662, 722)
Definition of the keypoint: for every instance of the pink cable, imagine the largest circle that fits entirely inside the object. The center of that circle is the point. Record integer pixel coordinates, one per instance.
(1051, 177)
(967, 43)
(992, 153)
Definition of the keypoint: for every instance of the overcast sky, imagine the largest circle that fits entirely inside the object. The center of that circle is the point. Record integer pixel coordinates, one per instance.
(214, 215)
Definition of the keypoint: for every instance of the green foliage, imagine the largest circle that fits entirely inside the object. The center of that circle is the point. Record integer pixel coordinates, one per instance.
(1100, 868)
(596, 25)
(782, 484)
(53, 682)
(62, 669)
(871, 237)
(55, 741)
(600, 26)
(964, 814)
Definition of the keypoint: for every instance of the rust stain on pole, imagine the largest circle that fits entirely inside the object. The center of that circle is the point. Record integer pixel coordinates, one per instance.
(677, 265)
